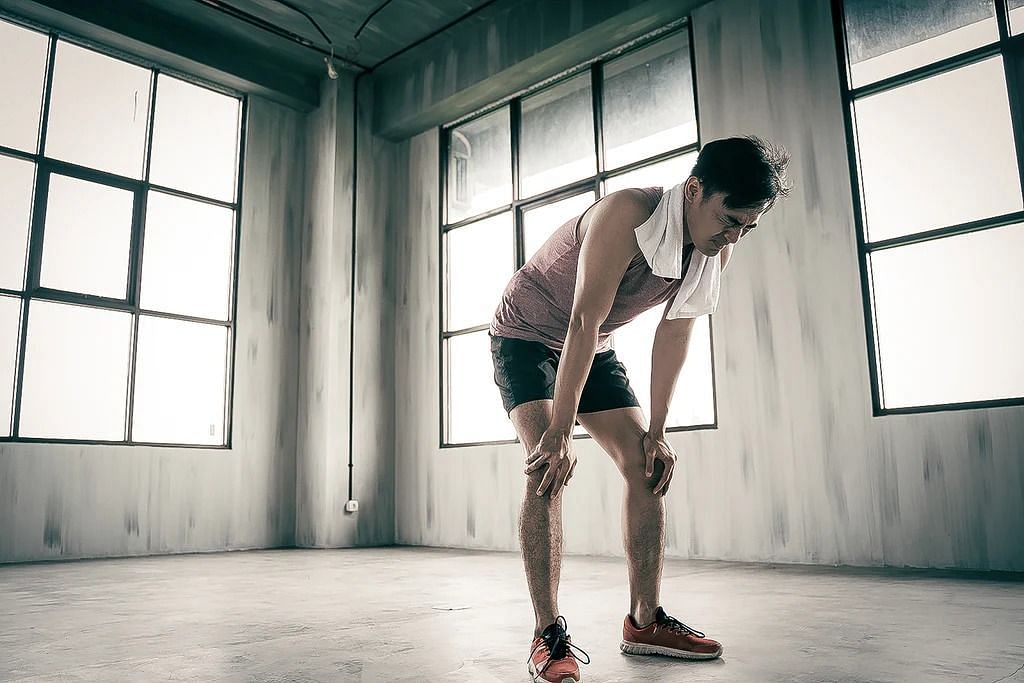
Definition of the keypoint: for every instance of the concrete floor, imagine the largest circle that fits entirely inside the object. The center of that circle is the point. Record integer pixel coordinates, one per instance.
(426, 614)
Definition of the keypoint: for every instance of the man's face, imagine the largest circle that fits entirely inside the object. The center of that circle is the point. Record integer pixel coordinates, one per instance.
(712, 226)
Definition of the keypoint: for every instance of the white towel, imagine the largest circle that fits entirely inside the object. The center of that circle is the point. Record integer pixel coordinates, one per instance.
(661, 241)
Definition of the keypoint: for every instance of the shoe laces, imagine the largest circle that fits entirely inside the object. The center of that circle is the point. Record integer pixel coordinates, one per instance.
(559, 644)
(676, 625)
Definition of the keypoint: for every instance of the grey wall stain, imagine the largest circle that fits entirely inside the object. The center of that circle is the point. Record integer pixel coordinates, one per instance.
(270, 298)
(810, 192)
(430, 498)
(932, 461)
(131, 522)
(809, 17)
(808, 326)
(980, 441)
(763, 323)
(888, 484)
(8, 487)
(52, 531)
(979, 457)
(832, 467)
(766, 343)
(470, 519)
(713, 47)
(694, 548)
(780, 523)
(772, 47)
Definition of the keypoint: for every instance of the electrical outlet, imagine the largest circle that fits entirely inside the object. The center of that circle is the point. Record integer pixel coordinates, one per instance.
(352, 506)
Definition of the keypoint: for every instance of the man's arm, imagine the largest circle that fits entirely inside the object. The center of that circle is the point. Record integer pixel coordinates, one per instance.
(671, 344)
(608, 247)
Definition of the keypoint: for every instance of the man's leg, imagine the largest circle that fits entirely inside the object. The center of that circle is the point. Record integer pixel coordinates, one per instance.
(620, 432)
(540, 519)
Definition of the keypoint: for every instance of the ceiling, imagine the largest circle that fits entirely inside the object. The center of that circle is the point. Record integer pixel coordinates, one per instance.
(258, 41)
(398, 25)
(270, 27)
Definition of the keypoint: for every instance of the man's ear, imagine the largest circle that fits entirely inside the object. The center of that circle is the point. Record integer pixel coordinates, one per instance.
(692, 189)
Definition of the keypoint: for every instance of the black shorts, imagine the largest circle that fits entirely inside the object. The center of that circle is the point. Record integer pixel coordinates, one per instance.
(525, 371)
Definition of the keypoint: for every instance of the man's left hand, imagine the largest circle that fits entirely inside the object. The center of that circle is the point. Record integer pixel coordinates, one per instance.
(657, 448)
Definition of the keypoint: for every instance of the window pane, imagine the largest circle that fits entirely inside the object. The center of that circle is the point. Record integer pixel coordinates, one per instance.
(693, 400)
(16, 192)
(1016, 16)
(76, 373)
(10, 317)
(539, 223)
(480, 166)
(887, 37)
(195, 139)
(666, 174)
(557, 145)
(87, 238)
(938, 152)
(183, 235)
(98, 111)
(476, 410)
(22, 76)
(946, 328)
(479, 262)
(648, 102)
(180, 382)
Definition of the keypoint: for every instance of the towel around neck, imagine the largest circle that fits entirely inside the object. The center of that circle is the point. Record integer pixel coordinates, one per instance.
(661, 239)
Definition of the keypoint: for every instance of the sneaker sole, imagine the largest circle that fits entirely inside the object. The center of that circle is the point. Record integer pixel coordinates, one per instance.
(641, 649)
(535, 679)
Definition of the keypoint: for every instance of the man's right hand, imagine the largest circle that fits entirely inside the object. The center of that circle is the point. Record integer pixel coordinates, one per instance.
(554, 450)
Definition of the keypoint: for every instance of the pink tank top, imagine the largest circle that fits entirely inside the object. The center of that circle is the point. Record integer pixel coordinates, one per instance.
(537, 302)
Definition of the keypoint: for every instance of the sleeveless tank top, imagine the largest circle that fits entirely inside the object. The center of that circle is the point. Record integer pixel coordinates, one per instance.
(537, 301)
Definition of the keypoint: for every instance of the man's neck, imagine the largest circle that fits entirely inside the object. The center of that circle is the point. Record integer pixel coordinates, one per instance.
(687, 240)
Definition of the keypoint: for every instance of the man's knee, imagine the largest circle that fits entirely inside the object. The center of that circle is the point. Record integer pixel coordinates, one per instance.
(533, 483)
(635, 476)
(628, 456)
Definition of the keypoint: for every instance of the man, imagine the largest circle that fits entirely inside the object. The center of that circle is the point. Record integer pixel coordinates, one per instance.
(628, 252)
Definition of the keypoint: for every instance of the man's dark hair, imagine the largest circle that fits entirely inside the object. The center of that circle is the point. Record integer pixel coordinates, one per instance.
(749, 171)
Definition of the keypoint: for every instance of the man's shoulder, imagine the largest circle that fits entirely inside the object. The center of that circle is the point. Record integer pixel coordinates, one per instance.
(632, 196)
(631, 206)
(619, 213)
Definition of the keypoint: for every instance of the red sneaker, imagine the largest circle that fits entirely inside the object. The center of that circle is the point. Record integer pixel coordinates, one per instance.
(667, 636)
(552, 659)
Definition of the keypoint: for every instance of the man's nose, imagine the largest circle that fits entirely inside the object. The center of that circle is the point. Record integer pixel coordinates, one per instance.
(732, 235)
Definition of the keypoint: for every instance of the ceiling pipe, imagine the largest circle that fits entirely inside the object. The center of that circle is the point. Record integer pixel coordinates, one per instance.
(269, 27)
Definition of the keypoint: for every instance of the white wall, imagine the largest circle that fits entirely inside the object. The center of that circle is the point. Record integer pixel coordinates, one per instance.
(285, 481)
(326, 345)
(69, 501)
(798, 470)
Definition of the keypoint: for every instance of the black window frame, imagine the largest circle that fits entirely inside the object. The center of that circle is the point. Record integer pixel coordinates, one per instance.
(519, 206)
(1011, 49)
(47, 166)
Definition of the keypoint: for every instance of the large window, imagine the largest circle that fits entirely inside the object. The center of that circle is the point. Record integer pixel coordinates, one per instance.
(512, 175)
(933, 95)
(119, 224)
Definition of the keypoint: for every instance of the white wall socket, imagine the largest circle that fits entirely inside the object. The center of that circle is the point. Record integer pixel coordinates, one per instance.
(351, 505)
